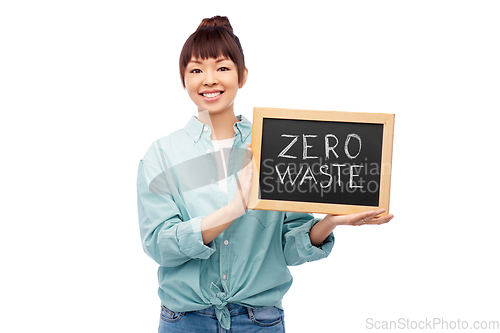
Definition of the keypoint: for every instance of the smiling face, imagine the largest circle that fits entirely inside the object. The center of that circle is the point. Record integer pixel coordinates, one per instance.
(212, 84)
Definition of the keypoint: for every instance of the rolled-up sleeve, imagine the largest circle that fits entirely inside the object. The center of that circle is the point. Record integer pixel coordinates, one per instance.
(297, 245)
(165, 236)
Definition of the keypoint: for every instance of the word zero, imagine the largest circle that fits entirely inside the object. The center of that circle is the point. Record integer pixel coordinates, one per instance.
(328, 146)
(331, 142)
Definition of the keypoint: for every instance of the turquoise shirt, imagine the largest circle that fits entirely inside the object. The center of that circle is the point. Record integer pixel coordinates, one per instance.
(247, 263)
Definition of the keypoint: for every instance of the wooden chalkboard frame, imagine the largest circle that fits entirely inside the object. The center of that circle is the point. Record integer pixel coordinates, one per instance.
(335, 116)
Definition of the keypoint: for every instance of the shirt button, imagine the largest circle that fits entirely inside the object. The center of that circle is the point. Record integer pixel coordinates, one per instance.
(205, 128)
(224, 277)
(226, 242)
(208, 151)
(196, 137)
(243, 135)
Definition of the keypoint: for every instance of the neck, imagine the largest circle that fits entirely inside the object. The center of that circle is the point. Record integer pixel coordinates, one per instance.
(221, 123)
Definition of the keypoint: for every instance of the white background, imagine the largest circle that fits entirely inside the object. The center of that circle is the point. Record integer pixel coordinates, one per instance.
(86, 86)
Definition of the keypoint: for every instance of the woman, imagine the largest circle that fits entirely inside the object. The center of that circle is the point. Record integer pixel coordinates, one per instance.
(222, 266)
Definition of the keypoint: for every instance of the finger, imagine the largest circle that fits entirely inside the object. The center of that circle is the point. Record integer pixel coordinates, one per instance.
(248, 156)
(241, 196)
(249, 150)
(365, 217)
(381, 219)
(358, 219)
(379, 211)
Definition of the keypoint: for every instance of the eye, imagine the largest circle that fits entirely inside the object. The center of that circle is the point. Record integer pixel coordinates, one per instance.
(223, 69)
(195, 71)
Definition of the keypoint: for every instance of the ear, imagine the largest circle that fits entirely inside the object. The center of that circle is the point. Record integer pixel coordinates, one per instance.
(244, 79)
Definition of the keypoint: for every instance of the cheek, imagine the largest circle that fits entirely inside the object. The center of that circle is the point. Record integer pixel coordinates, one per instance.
(191, 81)
(232, 84)
(191, 89)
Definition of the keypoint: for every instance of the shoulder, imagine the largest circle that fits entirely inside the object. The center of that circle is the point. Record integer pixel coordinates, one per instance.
(166, 144)
(178, 137)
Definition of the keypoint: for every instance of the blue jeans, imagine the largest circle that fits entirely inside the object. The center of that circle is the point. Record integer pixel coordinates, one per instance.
(243, 320)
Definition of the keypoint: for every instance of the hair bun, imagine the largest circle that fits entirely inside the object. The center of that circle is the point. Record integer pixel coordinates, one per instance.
(216, 21)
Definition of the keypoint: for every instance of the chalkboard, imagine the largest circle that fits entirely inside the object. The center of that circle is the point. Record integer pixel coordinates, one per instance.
(321, 161)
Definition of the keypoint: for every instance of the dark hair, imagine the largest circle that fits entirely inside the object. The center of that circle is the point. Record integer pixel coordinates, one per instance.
(214, 38)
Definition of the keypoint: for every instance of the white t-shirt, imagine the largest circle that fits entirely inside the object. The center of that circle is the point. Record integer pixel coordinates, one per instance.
(223, 146)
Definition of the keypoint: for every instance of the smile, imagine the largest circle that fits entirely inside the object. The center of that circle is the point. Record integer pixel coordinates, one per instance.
(211, 96)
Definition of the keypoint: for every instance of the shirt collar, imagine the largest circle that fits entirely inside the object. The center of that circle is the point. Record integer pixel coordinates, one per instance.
(195, 128)
(243, 126)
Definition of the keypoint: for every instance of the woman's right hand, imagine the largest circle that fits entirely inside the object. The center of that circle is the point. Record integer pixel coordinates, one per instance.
(214, 224)
(244, 183)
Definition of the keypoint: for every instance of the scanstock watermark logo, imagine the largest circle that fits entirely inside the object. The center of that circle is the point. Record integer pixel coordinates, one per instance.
(431, 324)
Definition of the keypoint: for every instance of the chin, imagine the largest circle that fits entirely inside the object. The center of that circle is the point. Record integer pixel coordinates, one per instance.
(216, 110)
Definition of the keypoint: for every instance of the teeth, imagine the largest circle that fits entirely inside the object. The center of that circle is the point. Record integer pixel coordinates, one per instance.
(211, 95)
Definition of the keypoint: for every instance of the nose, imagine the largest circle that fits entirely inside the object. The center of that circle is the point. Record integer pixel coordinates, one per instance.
(210, 79)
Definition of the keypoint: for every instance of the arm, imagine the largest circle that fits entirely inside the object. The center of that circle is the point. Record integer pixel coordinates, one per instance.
(214, 224)
(321, 230)
(166, 237)
(297, 247)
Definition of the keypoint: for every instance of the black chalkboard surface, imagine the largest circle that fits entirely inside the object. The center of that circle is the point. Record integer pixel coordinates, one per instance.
(321, 161)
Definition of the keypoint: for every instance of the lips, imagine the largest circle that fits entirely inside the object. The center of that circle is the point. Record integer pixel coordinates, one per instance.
(211, 95)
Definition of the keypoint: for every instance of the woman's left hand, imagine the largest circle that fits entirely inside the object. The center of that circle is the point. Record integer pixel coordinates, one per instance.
(323, 228)
(368, 217)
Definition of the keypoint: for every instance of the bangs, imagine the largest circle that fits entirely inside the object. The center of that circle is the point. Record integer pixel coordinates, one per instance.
(212, 42)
